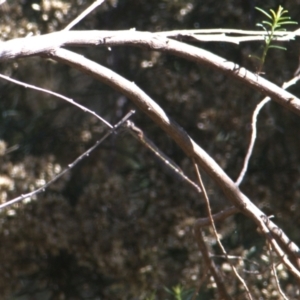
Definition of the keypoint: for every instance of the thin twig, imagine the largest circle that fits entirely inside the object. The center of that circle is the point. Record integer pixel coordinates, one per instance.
(227, 31)
(70, 166)
(209, 264)
(234, 257)
(275, 273)
(49, 45)
(257, 110)
(217, 217)
(215, 231)
(84, 14)
(139, 135)
(252, 140)
(265, 225)
(225, 35)
(33, 87)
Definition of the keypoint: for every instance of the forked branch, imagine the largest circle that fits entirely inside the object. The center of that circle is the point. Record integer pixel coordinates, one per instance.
(49, 46)
(192, 149)
(45, 44)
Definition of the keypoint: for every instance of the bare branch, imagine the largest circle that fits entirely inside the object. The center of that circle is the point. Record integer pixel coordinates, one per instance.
(258, 108)
(50, 45)
(254, 129)
(212, 223)
(227, 31)
(192, 149)
(71, 101)
(45, 44)
(225, 35)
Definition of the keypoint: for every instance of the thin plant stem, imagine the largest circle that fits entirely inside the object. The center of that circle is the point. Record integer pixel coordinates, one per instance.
(71, 101)
(216, 233)
(275, 273)
(69, 167)
(255, 114)
(87, 11)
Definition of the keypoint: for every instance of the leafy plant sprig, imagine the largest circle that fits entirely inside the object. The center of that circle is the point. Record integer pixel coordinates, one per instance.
(180, 293)
(274, 24)
(177, 292)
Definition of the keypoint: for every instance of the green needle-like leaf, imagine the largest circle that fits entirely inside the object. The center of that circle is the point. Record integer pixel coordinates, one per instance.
(268, 23)
(264, 12)
(277, 47)
(277, 20)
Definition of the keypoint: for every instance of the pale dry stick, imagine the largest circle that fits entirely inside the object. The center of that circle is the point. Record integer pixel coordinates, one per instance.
(275, 273)
(257, 110)
(45, 45)
(189, 146)
(12, 148)
(252, 140)
(70, 166)
(221, 35)
(227, 31)
(84, 14)
(242, 281)
(33, 87)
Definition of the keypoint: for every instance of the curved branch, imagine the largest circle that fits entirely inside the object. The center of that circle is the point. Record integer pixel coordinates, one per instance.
(39, 45)
(49, 45)
(192, 149)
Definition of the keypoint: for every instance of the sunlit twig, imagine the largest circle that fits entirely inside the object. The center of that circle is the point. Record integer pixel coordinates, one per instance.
(227, 35)
(71, 101)
(84, 14)
(257, 110)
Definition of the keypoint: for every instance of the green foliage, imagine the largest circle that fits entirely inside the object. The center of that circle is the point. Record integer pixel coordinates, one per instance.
(179, 293)
(273, 24)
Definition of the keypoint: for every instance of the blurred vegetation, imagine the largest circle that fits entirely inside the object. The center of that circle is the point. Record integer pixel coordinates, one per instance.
(118, 226)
